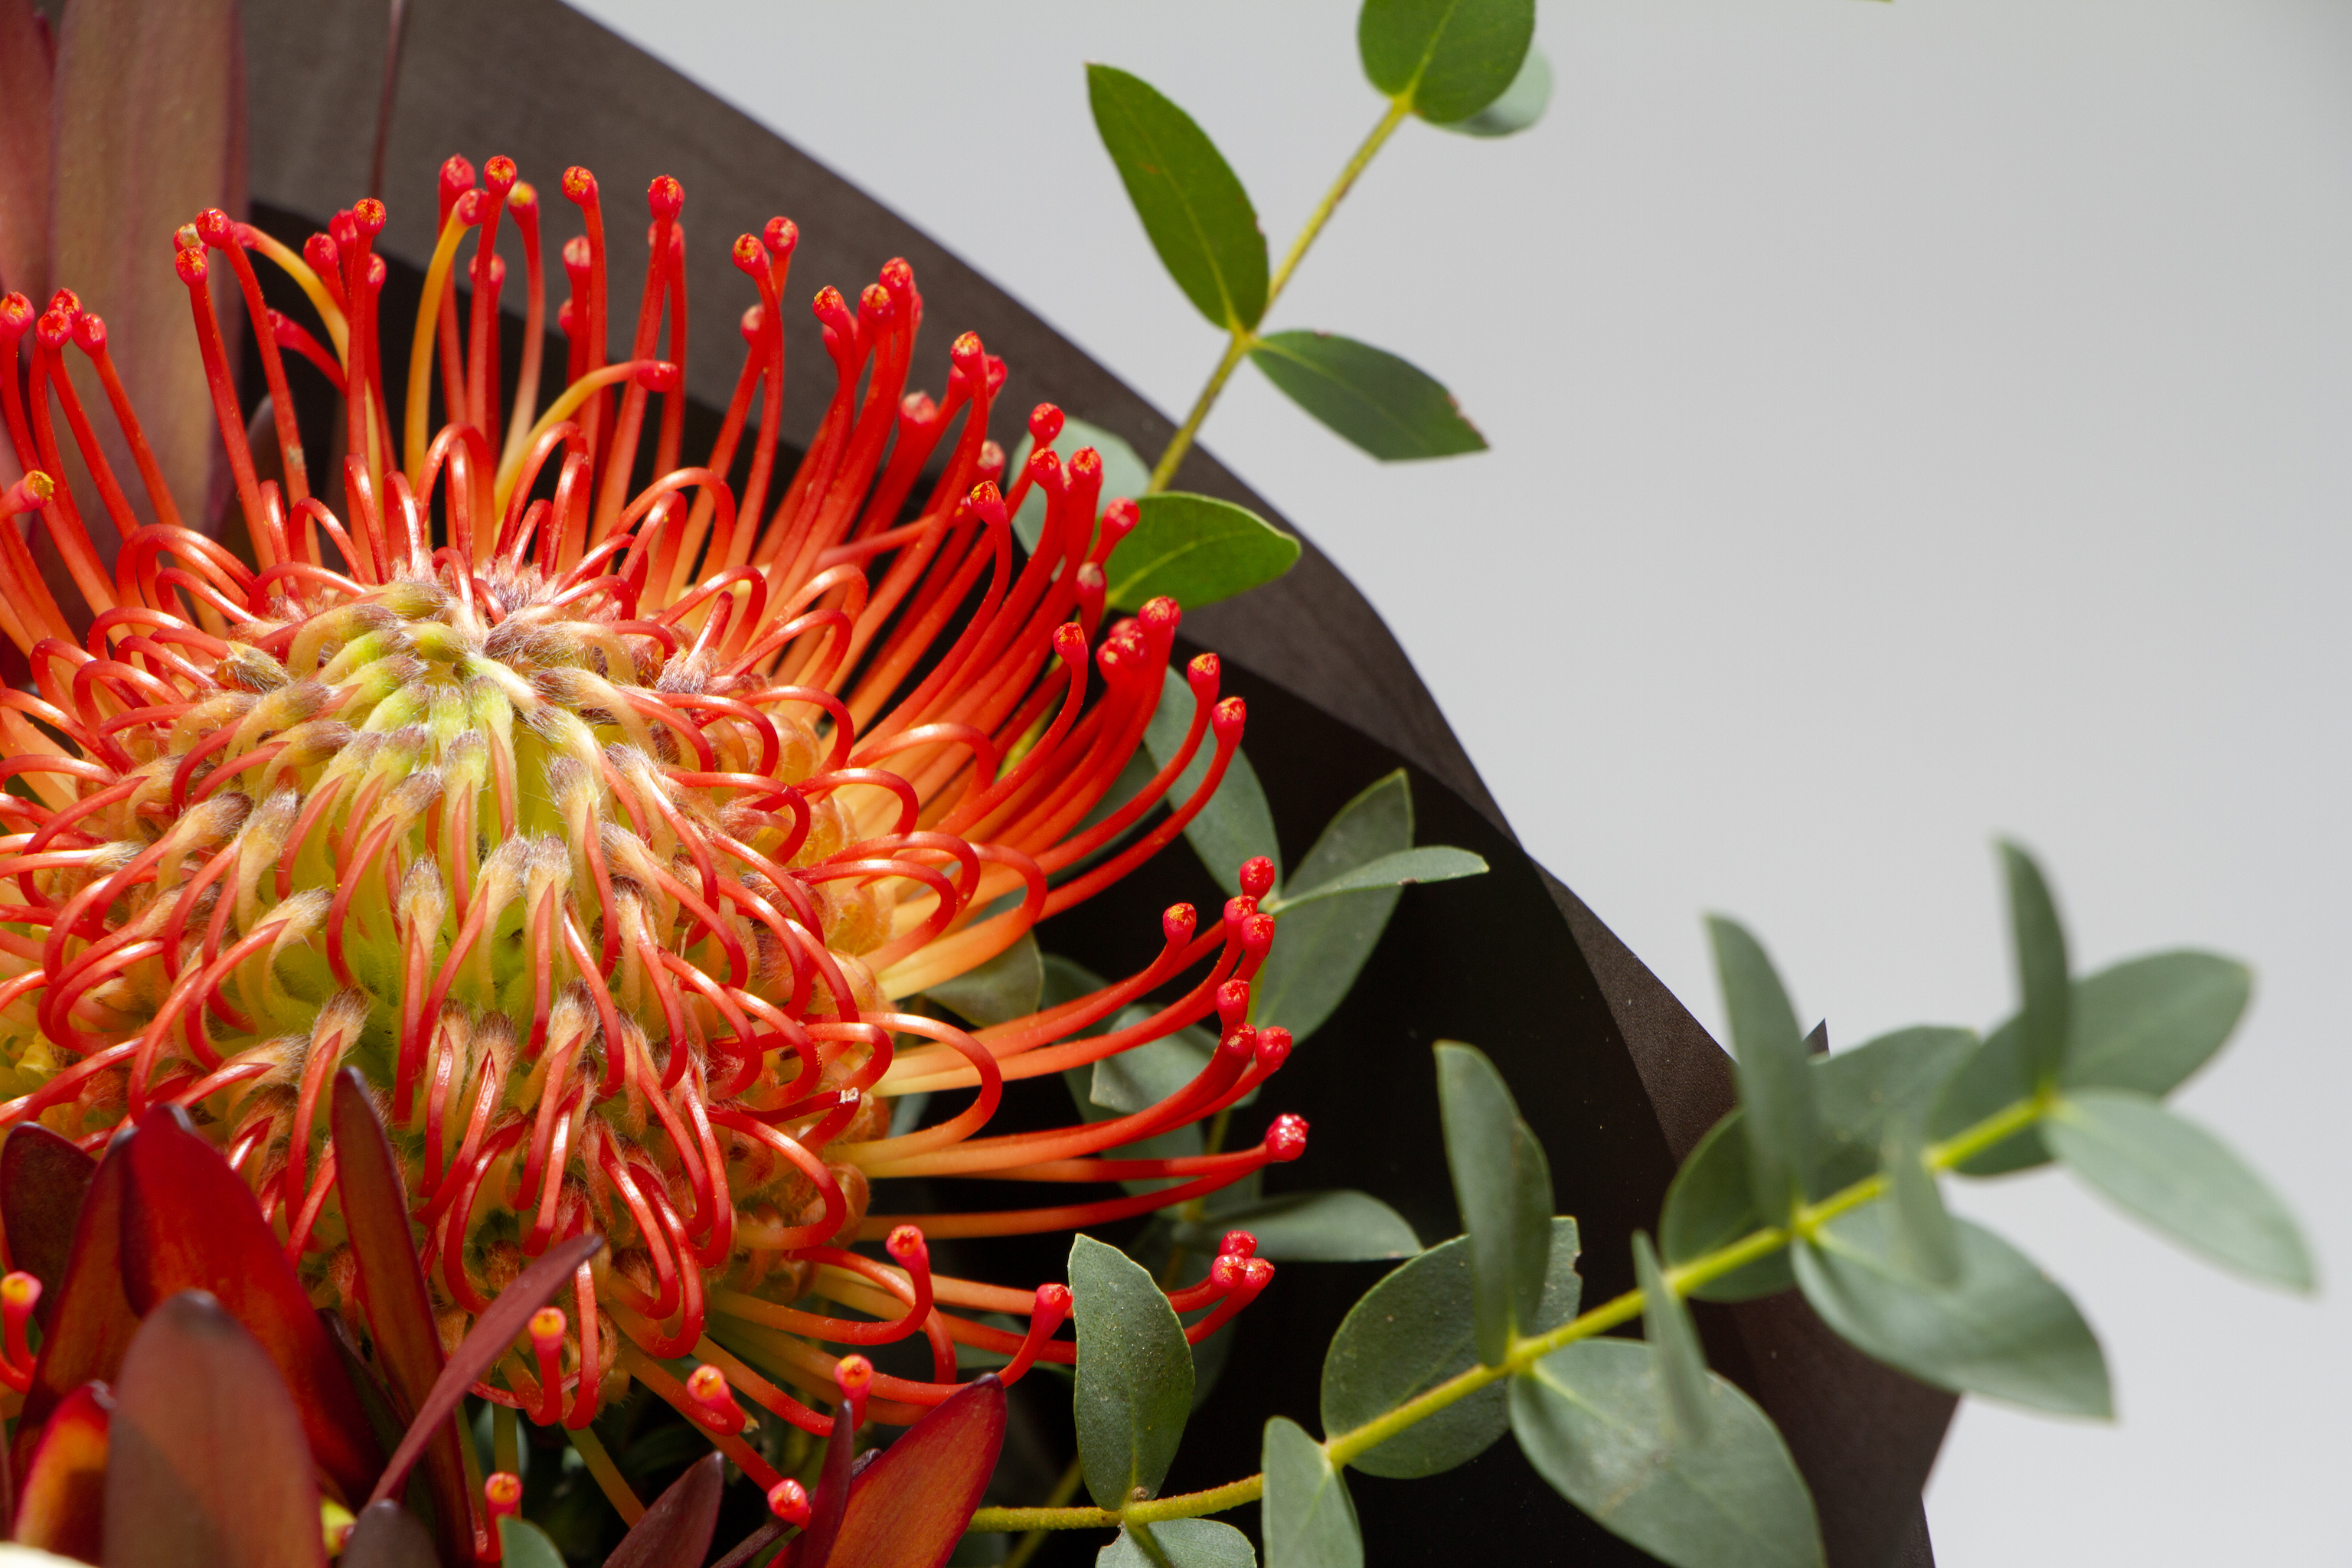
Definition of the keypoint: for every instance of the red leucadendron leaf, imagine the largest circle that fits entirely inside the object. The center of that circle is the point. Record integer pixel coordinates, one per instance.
(674, 1532)
(909, 1508)
(94, 1321)
(189, 1223)
(42, 1179)
(206, 1467)
(61, 1508)
(392, 1287)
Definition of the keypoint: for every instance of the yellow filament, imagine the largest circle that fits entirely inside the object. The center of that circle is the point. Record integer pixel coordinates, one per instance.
(297, 268)
(420, 354)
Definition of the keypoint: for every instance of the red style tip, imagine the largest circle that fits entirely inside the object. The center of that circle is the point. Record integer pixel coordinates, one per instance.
(16, 315)
(1225, 1272)
(216, 229)
(1177, 923)
(1257, 935)
(1257, 876)
(1086, 467)
(523, 200)
(190, 263)
(1240, 1040)
(1232, 1004)
(1237, 1244)
(66, 302)
(1159, 615)
(1053, 1302)
(1044, 423)
(831, 309)
(28, 494)
(898, 276)
(789, 1501)
(966, 354)
(750, 256)
(1286, 1140)
(499, 175)
(854, 1375)
(1202, 674)
(579, 185)
(1273, 1046)
(324, 254)
(90, 332)
(470, 209)
(714, 1401)
(54, 329)
(988, 503)
(991, 466)
(367, 217)
(578, 259)
(1070, 642)
(874, 303)
(661, 375)
(457, 176)
(1238, 910)
(780, 235)
(503, 1491)
(547, 1328)
(1228, 719)
(906, 1244)
(665, 198)
(753, 319)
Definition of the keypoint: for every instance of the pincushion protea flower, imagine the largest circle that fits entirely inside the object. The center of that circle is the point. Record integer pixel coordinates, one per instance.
(607, 829)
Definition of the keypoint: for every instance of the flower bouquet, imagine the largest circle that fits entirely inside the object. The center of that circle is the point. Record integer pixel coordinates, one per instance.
(583, 981)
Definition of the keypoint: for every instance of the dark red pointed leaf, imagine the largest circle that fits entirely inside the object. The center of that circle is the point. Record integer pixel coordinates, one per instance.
(94, 1321)
(909, 1508)
(751, 1545)
(62, 1509)
(42, 1179)
(493, 1334)
(190, 1223)
(24, 66)
(831, 1500)
(388, 1536)
(674, 1532)
(392, 1287)
(207, 1467)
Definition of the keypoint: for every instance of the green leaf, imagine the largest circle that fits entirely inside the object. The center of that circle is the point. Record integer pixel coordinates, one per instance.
(1429, 863)
(1307, 1518)
(2181, 1180)
(1192, 206)
(523, 1544)
(1344, 1226)
(1856, 1092)
(1176, 1143)
(1142, 1076)
(1186, 1544)
(1504, 1188)
(1590, 1419)
(2147, 1024)
(1681, 1366)
(1923, 1242)
(2003, 1330)
(1449, 58)
(1321, 948)
(1987, 1082)
(1388, 406)
(1236, 822)
(1134, 1377)
(2040, 943)
(1521, 105)
(1196, 550)
(1124, 475)
(1413, 1332)
(1776, 1089)
(1006, 987)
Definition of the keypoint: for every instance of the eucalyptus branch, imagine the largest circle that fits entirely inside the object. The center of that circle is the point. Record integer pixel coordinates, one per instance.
(1527, 1350)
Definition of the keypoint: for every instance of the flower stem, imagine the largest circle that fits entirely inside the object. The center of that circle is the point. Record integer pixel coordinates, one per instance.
(1063, 1491)
(1526, 1351)
(1244, 339)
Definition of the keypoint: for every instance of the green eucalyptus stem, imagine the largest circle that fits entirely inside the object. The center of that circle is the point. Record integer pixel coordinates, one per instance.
(1526, 1350)
(1244, 339)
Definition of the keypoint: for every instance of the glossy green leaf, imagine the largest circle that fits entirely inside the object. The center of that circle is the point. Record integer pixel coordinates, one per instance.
(1711, 1201)
(1921, 1239)
(207, 1465)
(1429, 863)
(1321, 946)
(1590, 1419)
(2182, 1181)
(1196, 550)
(1681, 1366)
(1453, 58)
(2039, 943)
(1186, 1544)
(1308, 1519)
(1343, 1226)
(1522, 103)
(524, 1545)
(1776, 1088)
(2003, 1330)
(1413, 1332)
(2147, 1024)
(1503, 1185)
(1126, 476)
(1236, 822)
(1191, 203)
(1388, 406)
(1135, 1375)
(1006, 987)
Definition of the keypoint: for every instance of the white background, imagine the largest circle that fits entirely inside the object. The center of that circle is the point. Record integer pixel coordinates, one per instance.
(1910, 423)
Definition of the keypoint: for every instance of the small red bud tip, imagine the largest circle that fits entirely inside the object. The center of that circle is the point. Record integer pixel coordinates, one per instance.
(1237, 911)
(780, 235)
(1225, 1272)
(1086, 464)
(1273, 1046)
(665, 197)
(750, 256)
(324, 254)
(1232, 1004)
(1257, 1275)
(754, 318)
(1070, 642)
(1287, 1138)
(707, 1386)
(90, 333)
(28, 494)
(499, 175)
(1159, 615)
(991, 466)
(789, 1500)
(190, 263)
(1177, 923)
(54, 329)
(966, 354)
(1053, 1302)
(1239, 1042)
(19, 1293)
(523, 199)
(471, 208)
(457, 176)
(1237, 1244)
(367, 217)
(1119, 518)
(216, 229)
(831, 309)
(578, 259)
(503, 1491)
(579, 185)
(898, 276)
(343, 228)
(377, 273)
(874, 301)
(1044, 423)
(1257, 935)
(1043, 467)
(906, 1244)
(854, 1375)
(1257, 876)
(1228, 717)
(66, 302)
(547, 1328)
(988, 503)
(661, 375)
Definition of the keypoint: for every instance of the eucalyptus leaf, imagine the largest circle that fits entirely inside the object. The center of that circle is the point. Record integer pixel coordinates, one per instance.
(1191, 203)
(523, 1544)
(2002, 1329)
(1449, 58)
(1987, 1082)
(1776, 1085)
(2181, 1180)
(1924, 1243)
(2040, 944)
(1134, 1375)
(1006, 987)
(1504, 1187)
(1186, 1544)
(1320, 947)
(1196, 550)
(1522, 103)
(1413, 1331)
(1681, 1366)
(2147, 1024)
(1236, 822)
(1429, 863)
(1307, 1517)
(1126, 476)
(1384, 404)
(1590, 1419)
(1176, 1143)
(1142, 1076)
(1343, 1226)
